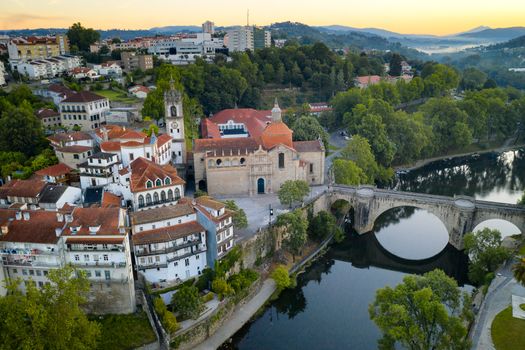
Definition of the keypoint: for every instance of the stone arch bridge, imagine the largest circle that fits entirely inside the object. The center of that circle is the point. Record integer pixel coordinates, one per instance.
(459, 214)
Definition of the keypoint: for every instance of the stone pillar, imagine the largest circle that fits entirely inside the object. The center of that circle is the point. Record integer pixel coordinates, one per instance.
(464, 218)
(362, 210)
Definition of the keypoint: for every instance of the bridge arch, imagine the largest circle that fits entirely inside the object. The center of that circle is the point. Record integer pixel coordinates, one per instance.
(506, 227)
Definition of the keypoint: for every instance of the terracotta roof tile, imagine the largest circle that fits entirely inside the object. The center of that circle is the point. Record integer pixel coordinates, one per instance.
(209, 202)
(237, 146)
(74, 149)
(308, 146)
(143, 170)
(110, 200)
(162, 213)
(26, 188)
(83, 97)
(276, 133)
(70, 136)
(110, 146)
(55, 170)
(40, 228)
(46, 113)
(166, 234)
(109, 220)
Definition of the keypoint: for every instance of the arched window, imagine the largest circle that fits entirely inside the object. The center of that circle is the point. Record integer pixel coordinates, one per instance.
(243, 160)
(170, 195)
(218, 162)
(167, 181)
(141, 201)
(281, 160)
(158, 182)
(155, 197)
(173, 111)
(177, 193)
(163, 196)
(148, 199)
(149, 184)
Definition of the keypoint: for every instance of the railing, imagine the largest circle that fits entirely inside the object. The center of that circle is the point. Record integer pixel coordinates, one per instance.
(98, 264)
(146, 252)
(151, 266)
(179, 257)
(145, 205)
(73, 249)
(29, 263)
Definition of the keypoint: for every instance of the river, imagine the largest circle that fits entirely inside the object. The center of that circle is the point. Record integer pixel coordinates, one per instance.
(329, 307)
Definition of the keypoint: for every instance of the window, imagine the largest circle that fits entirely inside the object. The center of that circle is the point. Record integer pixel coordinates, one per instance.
(177, 193)
(187, 262)
(218, 162)
(170, 195)
(197, 257)
(24, 272)
(176, 264)
(148, 199)
(147, 155)
(156, 197)
(40, 284)
(97, 273)
(107, 274)
(15, 271)
(86, 257)
(149, 184)
(281, 160)
(157, 258)
(158, 182)
(131, 157)
(141, 201)
(106, 257)
(88, 274)
(31, 272)
(243, 161)
(163, 196)
(167, 181)
(75, 156)
(45, 272)
(38, 273)
(311, 168)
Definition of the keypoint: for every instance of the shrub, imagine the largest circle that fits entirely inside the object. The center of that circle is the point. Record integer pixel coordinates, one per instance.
(168, 320)
(221, 287)
(205, 279)
(186, 302)
(281, 277)
(208, 297)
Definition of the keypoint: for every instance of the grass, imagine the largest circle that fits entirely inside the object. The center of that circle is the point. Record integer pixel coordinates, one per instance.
(508, 333)
(521, 252)
(522, 306)
(124, 331)
(117, 96)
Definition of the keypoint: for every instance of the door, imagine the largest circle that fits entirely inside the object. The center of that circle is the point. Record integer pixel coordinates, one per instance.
(260, 186)
(93, 182)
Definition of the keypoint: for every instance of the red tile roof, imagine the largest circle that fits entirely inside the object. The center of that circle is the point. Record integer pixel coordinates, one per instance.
(110, 200)
(60, 89)
(254, 120)
(166, 234)
(83, 97)
(143, 170)
(234, 146)
(55, 170)
(109, 220)
(368, 79)
(69, 136)
(26, 188)
(46, 113)
(40, 228)
(308, 146)
(276, 133)
(110, 146)
(74, 149)
(182, 208)
(209, 129)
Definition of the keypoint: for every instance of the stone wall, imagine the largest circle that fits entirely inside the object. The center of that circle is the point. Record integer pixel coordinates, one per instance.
(111, 298)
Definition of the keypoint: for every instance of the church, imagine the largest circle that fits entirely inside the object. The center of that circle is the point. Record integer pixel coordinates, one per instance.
(247, 152)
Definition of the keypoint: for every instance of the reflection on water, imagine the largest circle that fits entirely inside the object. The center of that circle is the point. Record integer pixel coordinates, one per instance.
(329, 307)
(395, 232)
(491, 176)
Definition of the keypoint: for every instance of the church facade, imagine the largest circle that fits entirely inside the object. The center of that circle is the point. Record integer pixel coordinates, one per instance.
(245, 151)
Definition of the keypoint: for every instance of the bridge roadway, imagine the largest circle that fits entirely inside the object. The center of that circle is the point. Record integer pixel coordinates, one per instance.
(459, 214)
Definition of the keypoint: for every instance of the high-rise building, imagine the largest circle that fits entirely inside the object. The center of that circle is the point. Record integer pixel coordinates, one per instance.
(133, 61)
(37, 47)
(261, 38)
(247, 38)
(208, 27)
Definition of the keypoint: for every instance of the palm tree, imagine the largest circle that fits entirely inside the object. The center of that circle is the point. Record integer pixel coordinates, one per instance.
(519, 271)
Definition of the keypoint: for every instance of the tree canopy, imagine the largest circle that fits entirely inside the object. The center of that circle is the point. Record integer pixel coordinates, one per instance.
(423, 312)
(80, 38)
(293, 191)
(296, 228)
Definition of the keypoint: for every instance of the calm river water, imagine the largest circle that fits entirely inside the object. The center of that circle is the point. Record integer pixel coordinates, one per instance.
(329, 307)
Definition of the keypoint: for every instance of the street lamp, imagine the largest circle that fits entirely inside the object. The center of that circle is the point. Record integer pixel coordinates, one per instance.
(270, 216)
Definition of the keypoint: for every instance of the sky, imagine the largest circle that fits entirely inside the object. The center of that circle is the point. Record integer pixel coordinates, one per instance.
(404, 16)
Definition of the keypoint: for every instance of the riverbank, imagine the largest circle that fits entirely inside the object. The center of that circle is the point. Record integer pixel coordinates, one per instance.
(420, 163)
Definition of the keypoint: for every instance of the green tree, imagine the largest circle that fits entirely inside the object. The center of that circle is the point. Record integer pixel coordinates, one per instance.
(293, 191)
(359, 151)
(240, 220)
(521, 201)
(395, 65)
(307, 128)
(50, 317)
(21, 131)
(423, 312)
(472, 79)
(81, 37)
(168, 319)
(346, 172)
(281, 277)
(374, 130)
(187, 302)
(518, 271)
(296, 231)
(152, 128)
(221, 288)
(322, 226)
(485, 253)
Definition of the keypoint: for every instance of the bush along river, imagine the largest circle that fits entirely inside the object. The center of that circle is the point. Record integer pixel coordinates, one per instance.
(329, 307)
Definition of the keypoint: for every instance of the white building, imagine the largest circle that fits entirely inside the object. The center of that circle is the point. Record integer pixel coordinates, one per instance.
(139, 91)
(45, 68)
(85, 110)
(208, 27)
(2, 74)
(54, 197)
(83, 73)
(187, 49)
(239, 39)
(169, 243)
(100, 169)
(110, 68)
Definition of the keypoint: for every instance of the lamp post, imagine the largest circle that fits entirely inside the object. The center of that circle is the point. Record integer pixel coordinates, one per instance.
(270, 216)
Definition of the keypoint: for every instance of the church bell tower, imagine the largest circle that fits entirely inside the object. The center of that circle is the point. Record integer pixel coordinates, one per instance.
(174, 119)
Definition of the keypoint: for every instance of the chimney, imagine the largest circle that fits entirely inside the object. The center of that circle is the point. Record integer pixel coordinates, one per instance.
(69, 217)
(58, 231)
(5, 230)
(60, 217)
(26, 216)
(18, 215)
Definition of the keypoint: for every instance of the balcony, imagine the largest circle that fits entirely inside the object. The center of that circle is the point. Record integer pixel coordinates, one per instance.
(224, 227)
(159, 202)
(99, 264)
(83, 248)
(171, 249)
(186, 255)
(151, 266)
(29, 263)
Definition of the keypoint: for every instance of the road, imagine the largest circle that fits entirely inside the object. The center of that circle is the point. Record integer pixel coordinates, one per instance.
(498, 298)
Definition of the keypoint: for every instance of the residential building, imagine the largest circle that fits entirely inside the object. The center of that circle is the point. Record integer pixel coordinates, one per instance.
(75, 138)
(169, 243)
(139, 91)
(83, 73)
(247, 38)
(245, 151)
(367, 80)
(54, 197)
(33, 48)
(84, 110)
(56, 174)
(55, 92)
(49, 118)
(96, 240)
(2, 74)
(186, 49)
(153, 185)
(208, 27)
(93, 239)
(45, 68)
(72, 156)
(100, 169)
(22, 192)
(218, 222)
(318, 108)
(110, 68)
(130, 144)
(132, 61)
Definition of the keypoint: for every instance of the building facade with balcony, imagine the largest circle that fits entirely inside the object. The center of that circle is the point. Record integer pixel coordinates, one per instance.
(169, 243)
(84, 110)
(100, 169)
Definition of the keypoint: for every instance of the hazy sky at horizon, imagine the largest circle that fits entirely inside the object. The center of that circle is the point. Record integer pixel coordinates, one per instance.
(404, 16)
